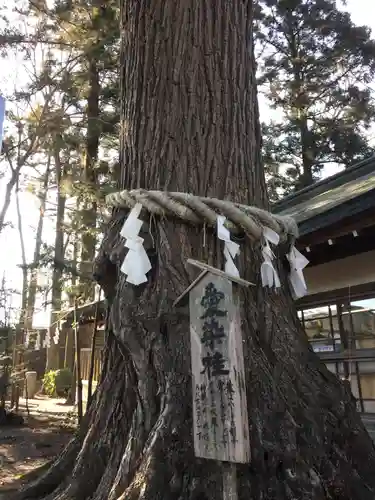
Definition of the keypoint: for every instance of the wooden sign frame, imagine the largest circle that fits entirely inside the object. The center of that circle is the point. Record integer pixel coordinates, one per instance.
(220, 426)
(218, 374)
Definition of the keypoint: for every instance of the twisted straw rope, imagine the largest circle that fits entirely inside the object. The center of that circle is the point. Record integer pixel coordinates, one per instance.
(200, 210)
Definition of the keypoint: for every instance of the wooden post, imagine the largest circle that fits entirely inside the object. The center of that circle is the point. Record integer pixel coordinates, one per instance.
(93, 346)
(66, 348)
(220, 418)
(229, 482)
(14, 367)
(78, 363)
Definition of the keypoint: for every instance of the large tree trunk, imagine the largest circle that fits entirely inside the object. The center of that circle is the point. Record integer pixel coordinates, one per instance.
(190, 123)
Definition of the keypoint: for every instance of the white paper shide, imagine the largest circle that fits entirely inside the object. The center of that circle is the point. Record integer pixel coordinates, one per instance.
(27, 339)
(47, 339)
(56, 337)
(136, 263)
(268, 272)
(37, 345)
(297, 262)
(231, 249)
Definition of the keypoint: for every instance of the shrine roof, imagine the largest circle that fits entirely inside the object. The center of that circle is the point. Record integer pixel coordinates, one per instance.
(333, 200)
(85, 313)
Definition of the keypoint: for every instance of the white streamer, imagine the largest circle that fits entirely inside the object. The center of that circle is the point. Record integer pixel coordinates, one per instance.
(297, 264)
(136, 263)
(268, 273)
(231, 249)
(56, 337)
(47, 339)
(27, 339)
(37, 342)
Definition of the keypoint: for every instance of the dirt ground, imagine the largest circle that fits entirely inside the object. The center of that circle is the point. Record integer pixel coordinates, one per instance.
(47, 429)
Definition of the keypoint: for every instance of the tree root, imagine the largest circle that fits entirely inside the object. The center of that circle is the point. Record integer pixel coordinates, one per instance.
(49, 481)
(129, 455)
(136, 443)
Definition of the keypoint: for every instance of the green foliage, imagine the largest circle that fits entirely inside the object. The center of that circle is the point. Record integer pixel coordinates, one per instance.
(315, 71)
(57, 382)
(49, 383)
(63, 381)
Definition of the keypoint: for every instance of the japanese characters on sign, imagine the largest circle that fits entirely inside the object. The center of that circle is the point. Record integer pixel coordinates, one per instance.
(213, 332)
(219, 396)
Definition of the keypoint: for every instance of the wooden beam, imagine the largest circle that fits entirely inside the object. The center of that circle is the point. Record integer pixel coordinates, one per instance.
(349, 355)
(358, 292)
(340, 228)
(218, 272)
(343, 247)
(185, 295)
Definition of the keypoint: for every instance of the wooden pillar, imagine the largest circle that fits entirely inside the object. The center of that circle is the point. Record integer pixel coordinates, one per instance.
(78, 364)
(230, 482)
(93, 348)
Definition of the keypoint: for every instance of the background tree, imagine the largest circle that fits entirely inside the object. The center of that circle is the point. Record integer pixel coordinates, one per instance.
(88, 34)
(76, 47)
(31, 124)
(87, 149)
(315, 70)
(190, 109)
(90, 92)
(33, 280)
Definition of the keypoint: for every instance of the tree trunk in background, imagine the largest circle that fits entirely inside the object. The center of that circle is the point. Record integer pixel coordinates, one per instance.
(33, 284)
(53, 352)
(69, 351)
(190, 123)
(8, 195)
(301, 104)
(18, 356)
(91, 156)
(308, 157)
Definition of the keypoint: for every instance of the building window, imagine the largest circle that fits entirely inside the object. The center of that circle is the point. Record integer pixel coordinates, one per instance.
(343, 335)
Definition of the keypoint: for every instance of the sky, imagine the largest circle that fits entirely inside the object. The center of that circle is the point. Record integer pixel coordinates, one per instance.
(362, 11)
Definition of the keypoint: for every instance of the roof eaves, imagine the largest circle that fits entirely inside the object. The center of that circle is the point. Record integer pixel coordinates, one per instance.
(351, 173)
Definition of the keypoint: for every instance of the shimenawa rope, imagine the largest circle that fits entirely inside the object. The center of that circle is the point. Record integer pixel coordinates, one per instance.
(200, 210)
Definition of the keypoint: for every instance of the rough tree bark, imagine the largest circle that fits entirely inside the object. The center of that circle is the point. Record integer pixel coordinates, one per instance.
(190, 123)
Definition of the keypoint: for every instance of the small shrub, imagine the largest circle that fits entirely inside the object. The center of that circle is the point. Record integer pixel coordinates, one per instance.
(63, 381)
(49, 383)
(57, 382)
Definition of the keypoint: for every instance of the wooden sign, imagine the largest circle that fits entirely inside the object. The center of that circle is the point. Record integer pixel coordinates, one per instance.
(219, 394)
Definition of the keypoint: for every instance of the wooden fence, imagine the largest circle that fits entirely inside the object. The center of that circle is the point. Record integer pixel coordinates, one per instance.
(85, 364)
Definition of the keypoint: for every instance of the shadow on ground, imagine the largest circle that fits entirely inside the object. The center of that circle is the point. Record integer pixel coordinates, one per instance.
(48, 427)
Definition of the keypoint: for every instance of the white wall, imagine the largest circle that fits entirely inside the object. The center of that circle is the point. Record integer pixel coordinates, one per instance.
(351, 271)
